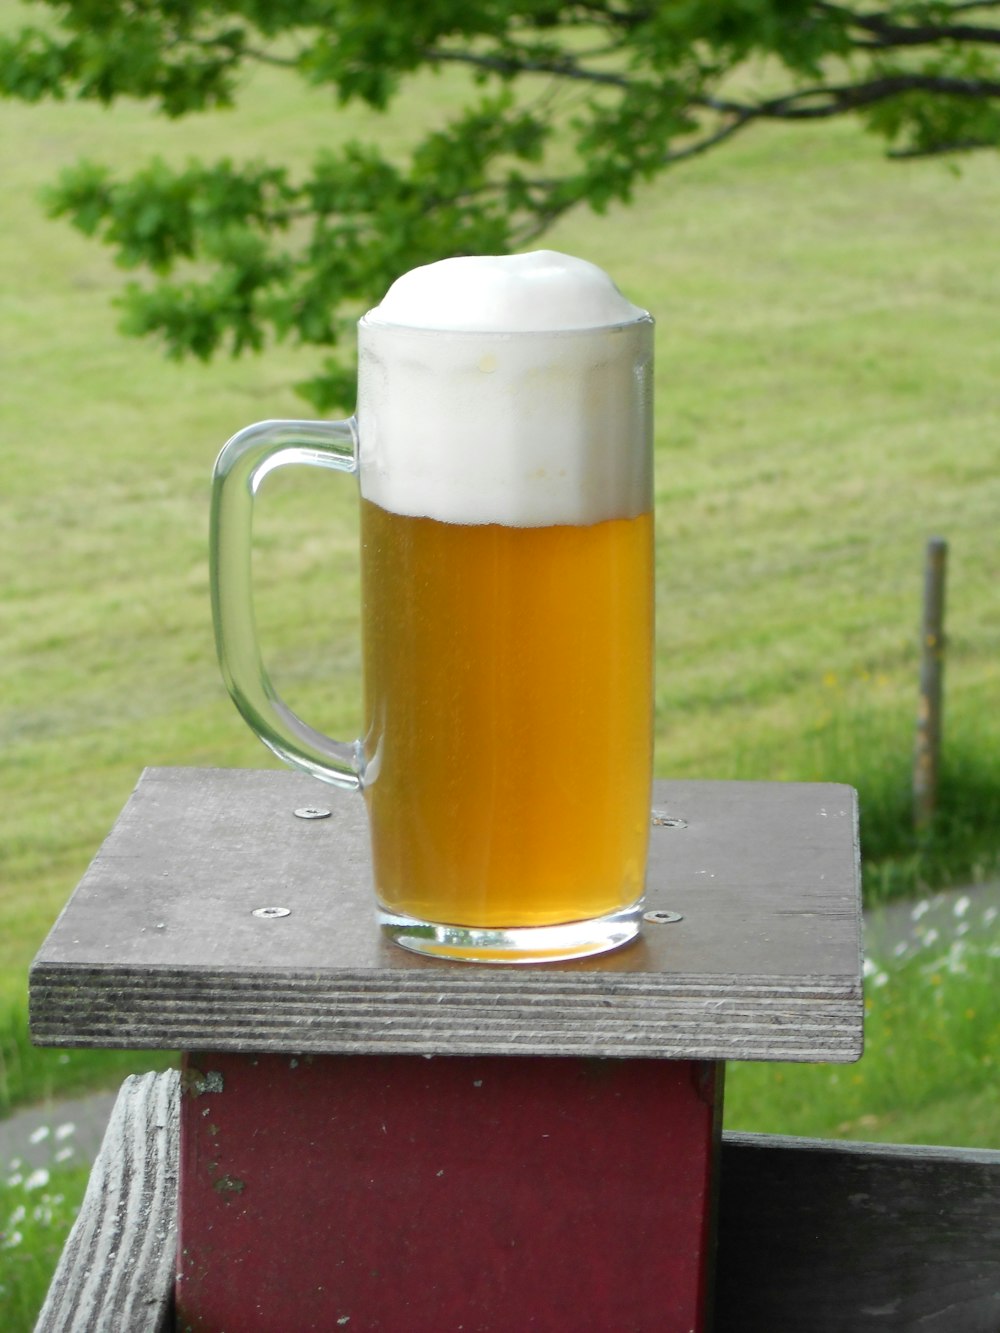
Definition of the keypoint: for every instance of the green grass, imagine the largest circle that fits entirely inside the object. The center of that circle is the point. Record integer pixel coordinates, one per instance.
(32, 1074)
(929, 1071)
(37, 1209)
(826, 399)
(865, 734)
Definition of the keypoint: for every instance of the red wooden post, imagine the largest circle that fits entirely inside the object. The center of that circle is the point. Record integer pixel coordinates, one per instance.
(488, 1193)
(552, 1164)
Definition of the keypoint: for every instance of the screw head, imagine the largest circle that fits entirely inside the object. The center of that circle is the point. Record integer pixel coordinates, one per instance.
(270, 913)
(657, 918)
(312, 812)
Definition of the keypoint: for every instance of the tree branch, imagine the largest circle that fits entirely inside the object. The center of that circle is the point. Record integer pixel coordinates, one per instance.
(740, 121)
(225, 44)
(889, 34)
(833, 100)
(893, 37)
(506, 65)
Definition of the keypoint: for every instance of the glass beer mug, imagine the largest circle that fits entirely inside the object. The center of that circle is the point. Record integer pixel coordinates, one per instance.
(503, 447)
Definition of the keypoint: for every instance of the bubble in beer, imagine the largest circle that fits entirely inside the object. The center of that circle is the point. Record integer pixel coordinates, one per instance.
(509, 389)
(542, 291)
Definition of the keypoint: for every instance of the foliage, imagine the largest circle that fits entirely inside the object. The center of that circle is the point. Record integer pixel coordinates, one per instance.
(567, 104)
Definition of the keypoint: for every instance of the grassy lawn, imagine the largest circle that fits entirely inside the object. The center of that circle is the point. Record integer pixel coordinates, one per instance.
(932, 1050)
(826, 396)
(37, 1209)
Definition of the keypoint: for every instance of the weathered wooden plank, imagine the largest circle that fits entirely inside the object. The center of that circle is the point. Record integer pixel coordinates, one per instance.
(117, 1269)
(303, 1014)
(820, 1237)
(159, 946)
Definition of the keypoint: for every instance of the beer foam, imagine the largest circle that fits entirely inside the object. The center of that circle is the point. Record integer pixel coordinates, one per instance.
(506, 389)
(535, 293)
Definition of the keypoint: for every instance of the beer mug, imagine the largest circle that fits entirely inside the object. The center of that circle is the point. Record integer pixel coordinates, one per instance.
(503, 447)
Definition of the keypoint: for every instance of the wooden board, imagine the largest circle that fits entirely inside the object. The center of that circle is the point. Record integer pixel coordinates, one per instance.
(159, 947)
(117, 1268)
(821, 1237)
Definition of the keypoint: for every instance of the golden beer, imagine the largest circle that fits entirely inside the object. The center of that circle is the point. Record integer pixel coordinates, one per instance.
(508, 704)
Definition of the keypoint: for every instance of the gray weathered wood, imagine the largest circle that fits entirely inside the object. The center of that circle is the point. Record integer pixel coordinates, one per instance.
(927, 746)
(158, 946)
(820, 1237)
(814, 1236)
(117, 1270)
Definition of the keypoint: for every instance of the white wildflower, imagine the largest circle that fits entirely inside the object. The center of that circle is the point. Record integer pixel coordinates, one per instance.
(9, 1239)
(921, 909)
(962, 905)
(64, 1154)
(37, 1180)
(39, 1135)
(955, 960)
(64, 1131)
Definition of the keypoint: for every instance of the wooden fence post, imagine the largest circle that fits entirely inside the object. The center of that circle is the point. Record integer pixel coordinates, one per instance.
(927, 751)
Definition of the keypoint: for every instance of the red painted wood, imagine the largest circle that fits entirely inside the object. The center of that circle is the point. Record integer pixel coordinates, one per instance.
(413, 1195)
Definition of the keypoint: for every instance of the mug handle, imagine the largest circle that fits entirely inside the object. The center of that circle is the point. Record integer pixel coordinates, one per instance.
(239, 470)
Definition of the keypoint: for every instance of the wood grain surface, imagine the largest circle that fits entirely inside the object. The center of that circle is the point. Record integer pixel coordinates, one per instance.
(159, 946)
(116, 1271)
(821, 1237)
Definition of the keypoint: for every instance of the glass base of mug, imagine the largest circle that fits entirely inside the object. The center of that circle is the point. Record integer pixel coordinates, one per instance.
(513, 944)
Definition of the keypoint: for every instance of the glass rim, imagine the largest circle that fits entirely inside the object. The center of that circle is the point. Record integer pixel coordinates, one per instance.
(368, 321)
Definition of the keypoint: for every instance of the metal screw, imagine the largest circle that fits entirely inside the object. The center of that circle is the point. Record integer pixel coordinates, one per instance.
(269, 913)
(662, 820)
(662, 918)
(312, 812)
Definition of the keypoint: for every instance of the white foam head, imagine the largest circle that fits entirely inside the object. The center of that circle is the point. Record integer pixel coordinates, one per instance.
(506, 389)
(536, 293)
